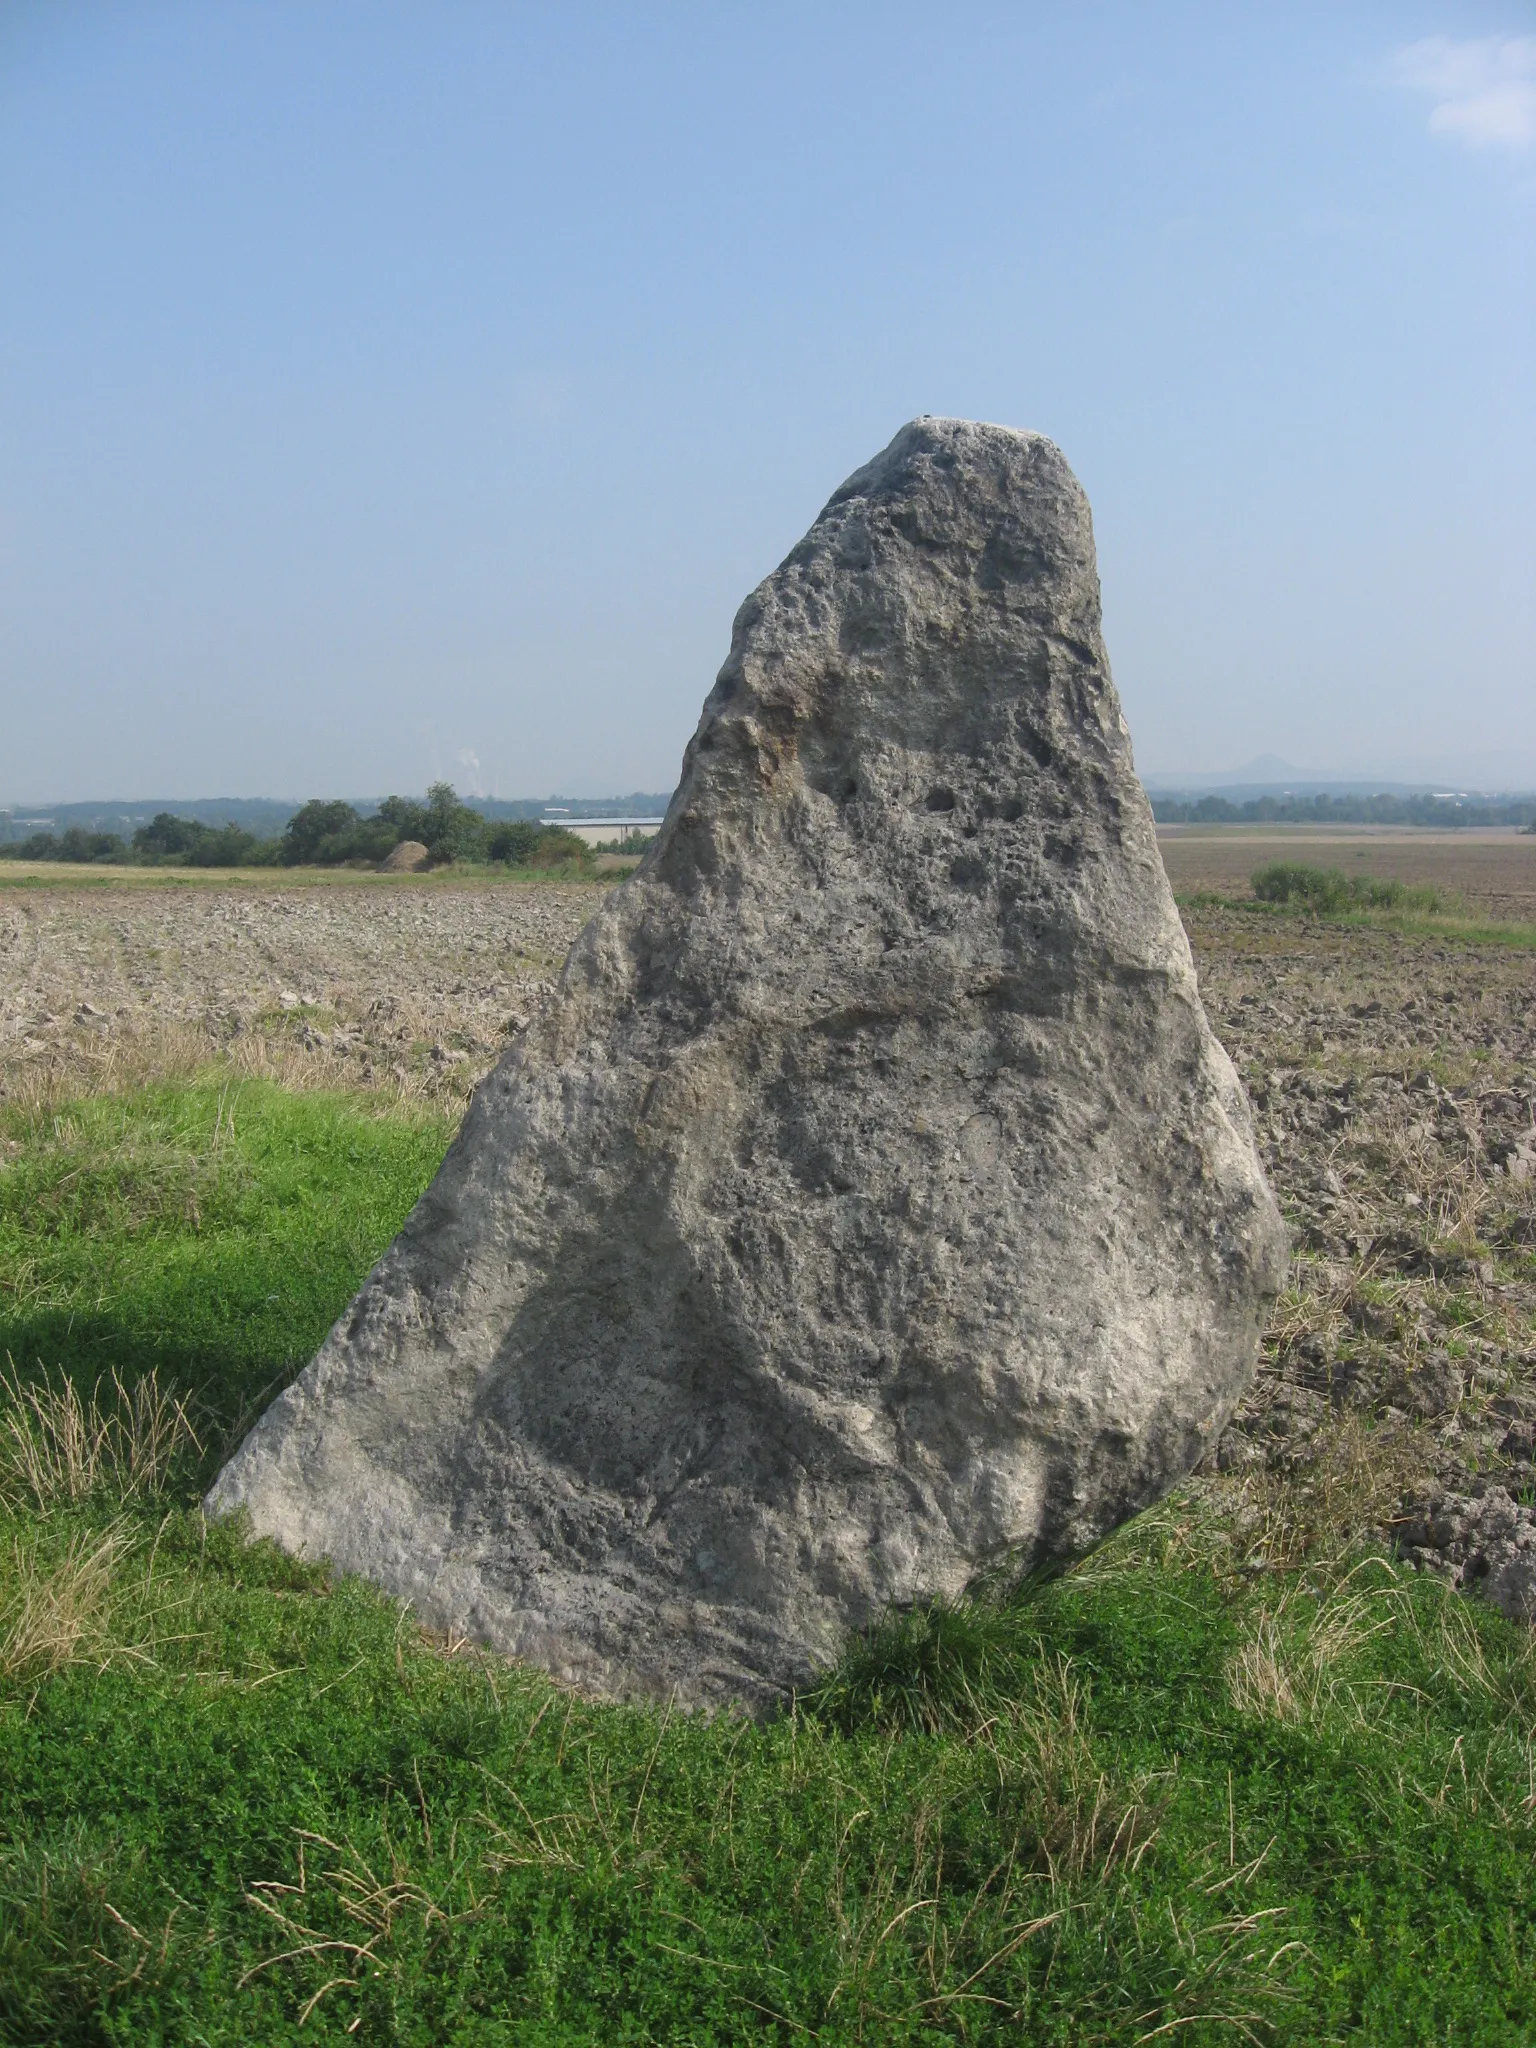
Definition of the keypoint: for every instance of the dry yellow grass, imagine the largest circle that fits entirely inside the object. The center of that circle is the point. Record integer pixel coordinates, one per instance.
(59, 1445)
(151, 1055)
(1298, 1672)
(56, 1613)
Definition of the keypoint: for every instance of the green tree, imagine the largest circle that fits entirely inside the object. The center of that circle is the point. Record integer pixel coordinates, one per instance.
(75, 844)
(453, 831)
(318, 832)
(166, 836)
(405, 817)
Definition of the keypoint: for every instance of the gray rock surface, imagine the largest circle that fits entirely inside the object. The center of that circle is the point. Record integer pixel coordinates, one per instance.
(1484, 1540)
(871, 1204)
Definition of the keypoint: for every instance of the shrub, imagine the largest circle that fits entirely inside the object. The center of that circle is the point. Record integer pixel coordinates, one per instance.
(523, 843)
(555, 846)
(1292, 882)
(512, 841)
(1330, 892)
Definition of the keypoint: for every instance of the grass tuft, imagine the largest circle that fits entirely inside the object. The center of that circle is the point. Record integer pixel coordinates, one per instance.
(67, 1953)
(942, 1666)
(53, 1612)
(59, 1445)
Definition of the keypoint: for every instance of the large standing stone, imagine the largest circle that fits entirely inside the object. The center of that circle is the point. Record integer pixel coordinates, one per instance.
(871, 1204)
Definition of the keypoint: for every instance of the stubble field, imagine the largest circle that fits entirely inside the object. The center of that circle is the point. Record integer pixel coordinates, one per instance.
(1492, 872)
(1259, 1770)
(406, 986)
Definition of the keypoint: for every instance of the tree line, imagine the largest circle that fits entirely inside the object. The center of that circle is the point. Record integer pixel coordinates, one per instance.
(1343, 810)
(321, 833)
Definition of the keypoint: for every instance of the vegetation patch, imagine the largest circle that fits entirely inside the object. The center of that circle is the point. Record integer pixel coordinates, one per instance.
(1330, 890)
(1183, 1792)
(1410, 910)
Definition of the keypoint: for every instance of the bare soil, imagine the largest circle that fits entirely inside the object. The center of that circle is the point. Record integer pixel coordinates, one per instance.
(1393, 1081)
(397, 984)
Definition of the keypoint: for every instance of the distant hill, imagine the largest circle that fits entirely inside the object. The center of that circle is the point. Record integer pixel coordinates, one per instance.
(1269, 777)
(263, 816)
(266, 816)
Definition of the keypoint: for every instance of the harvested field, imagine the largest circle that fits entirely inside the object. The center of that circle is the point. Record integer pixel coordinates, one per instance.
(1492, 872)
(404, 985)
(1394, 1088)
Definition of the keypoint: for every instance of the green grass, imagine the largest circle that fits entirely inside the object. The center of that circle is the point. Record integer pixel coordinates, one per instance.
(1161, 1797)
(203, 1231)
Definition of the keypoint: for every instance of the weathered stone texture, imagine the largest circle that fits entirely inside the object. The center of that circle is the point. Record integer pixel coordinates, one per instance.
(873, 1201)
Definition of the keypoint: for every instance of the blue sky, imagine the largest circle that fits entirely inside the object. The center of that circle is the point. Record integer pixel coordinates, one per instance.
(392, 390)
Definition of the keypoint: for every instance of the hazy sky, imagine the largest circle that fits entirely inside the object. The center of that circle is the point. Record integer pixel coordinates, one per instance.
(384, 385)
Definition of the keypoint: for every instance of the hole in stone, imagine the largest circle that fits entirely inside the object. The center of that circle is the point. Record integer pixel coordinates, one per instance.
(941, 799)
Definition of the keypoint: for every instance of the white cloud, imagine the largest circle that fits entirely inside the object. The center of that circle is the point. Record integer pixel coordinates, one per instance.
(1484, 90)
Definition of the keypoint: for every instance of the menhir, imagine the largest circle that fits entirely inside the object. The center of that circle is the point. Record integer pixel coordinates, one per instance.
(871, 1205)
